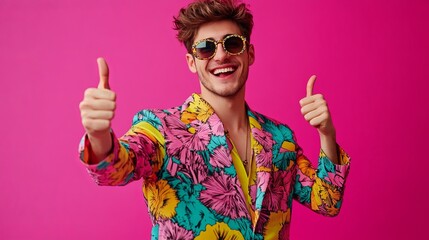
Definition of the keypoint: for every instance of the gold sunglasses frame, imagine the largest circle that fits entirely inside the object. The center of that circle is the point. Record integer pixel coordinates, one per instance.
(194, 49)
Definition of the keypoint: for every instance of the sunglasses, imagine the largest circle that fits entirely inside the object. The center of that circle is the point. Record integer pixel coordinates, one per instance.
(206, 48)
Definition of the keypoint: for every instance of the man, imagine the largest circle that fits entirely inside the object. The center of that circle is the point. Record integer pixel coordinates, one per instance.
(213, 168)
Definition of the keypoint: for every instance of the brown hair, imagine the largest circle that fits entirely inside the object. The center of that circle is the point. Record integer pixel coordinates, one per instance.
(199, 12)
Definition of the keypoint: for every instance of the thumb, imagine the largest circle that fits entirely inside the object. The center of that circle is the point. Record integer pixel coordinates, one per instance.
(103, 70)
(310, 85)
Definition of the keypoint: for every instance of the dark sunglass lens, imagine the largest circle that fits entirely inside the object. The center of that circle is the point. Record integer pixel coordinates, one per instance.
(205, 49)
(234, 45)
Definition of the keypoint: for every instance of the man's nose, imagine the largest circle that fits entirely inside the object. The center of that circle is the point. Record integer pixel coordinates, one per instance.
(221, 54)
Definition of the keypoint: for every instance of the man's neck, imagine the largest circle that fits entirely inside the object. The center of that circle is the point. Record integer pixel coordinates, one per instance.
(230, 110)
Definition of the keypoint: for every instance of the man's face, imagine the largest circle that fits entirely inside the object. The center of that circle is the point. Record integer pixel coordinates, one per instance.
(223, 75)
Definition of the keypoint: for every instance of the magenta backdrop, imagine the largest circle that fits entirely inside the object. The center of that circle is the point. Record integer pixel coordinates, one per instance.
(371, 62)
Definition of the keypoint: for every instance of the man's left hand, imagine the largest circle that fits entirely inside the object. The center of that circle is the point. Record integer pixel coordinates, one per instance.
(315, 110)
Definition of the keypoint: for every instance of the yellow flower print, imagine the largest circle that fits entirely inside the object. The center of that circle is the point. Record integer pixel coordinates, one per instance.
(323, 193)
(256, 146)
(188, 117)
(254, 123)
(202, 109)
(316, 190)
(220, 231)
(305, 167)
(162, 199)
(275, 224)
(288, 146)
(123, 168)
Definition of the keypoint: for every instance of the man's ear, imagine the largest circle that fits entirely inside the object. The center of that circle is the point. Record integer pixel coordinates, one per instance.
(191, 63)
(251, 52)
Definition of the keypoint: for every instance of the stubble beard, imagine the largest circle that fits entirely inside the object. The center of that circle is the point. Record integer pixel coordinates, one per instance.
(227, 93)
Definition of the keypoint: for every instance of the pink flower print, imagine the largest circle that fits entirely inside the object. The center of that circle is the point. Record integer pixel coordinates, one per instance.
(224, 195)
(216, 125)
(264, 138)
(264, 158)
(177, 129)
(143, 148)
(195, 168)
(169, 230)
(184, 142)
(276, 196)
(262, 179)
(252, 193)
(180, 136)
(200, 139)
(172, 167)
(220, 158)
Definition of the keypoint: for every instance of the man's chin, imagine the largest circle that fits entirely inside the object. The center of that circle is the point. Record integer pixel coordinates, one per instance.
(226, 93)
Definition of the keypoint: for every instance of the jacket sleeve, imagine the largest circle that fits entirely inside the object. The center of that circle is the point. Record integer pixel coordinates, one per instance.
(321, 189)
(137, 154)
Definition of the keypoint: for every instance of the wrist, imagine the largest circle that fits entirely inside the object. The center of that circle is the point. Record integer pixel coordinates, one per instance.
(328, 134)
(101, 145)
(328, 143)
(98, 135)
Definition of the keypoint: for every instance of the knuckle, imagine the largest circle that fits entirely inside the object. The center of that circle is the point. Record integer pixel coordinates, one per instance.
(83, 114)
(86, 123)
(307, 117)
(82, 105)
(105, 124)
(317, 99)
(325, 115)
(88, 92)
(323, 108)
(314, 122)
(320, 103)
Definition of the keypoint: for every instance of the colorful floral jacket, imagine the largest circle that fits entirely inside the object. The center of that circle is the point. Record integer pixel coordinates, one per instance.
(192, 187)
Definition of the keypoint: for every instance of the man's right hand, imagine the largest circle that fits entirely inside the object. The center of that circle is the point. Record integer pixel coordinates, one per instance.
(97, 110)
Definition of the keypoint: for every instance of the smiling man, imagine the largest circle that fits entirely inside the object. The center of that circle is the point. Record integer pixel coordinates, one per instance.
(213, 168)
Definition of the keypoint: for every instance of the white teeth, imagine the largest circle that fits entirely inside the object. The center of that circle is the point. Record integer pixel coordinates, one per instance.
(223, 70)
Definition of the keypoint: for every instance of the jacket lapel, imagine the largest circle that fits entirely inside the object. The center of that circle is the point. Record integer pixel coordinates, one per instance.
(197, 112)
(262, 149)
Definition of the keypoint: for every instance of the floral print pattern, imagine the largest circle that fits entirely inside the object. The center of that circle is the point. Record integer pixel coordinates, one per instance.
(192, 187)
(220, 195)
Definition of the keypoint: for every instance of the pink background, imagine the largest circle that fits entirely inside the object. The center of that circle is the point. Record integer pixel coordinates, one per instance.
(371, 62)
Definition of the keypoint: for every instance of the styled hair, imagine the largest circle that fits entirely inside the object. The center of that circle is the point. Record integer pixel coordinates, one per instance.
(200, 12)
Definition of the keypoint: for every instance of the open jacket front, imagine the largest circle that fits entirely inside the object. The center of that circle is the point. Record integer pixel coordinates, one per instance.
(196, 189)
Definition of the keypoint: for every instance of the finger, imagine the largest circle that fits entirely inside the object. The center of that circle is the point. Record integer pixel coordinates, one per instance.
(103, 70)
(310, 85)
(95, 93)
(317, 121)
(98, 104)
(311, 99)
(312, 105)
(315, 113)
(98, 114)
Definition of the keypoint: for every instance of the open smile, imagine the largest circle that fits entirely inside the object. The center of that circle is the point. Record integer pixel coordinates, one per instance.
(223, 71)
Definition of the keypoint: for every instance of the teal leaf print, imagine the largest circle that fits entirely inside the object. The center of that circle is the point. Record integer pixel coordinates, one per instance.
(325, 166)
(147, 116)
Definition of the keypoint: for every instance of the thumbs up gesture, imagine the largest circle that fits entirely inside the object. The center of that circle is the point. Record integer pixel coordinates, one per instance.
(315, 110)
(98, 105)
